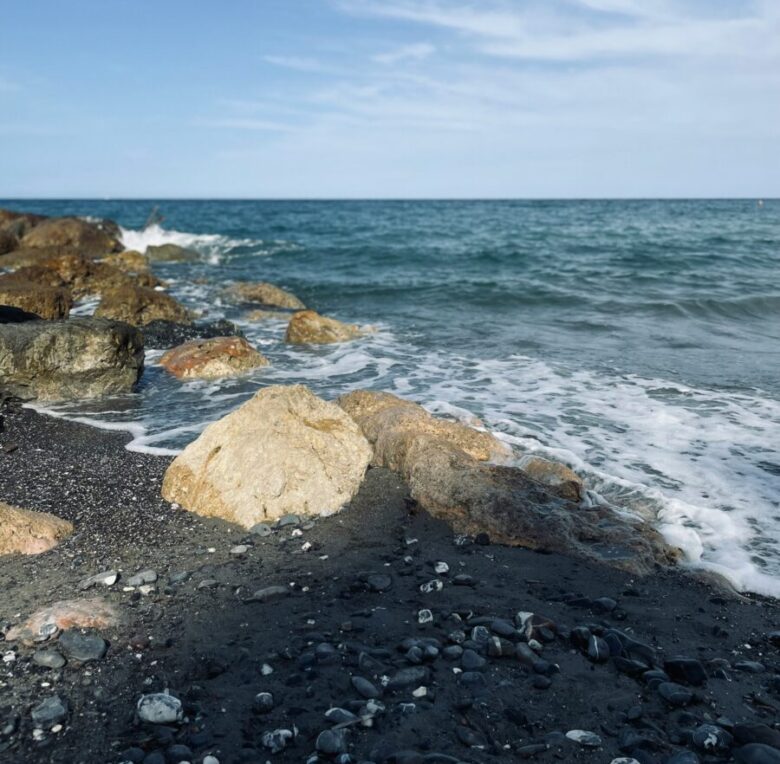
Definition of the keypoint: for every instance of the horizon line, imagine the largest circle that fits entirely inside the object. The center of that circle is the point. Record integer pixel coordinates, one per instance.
(384, 198)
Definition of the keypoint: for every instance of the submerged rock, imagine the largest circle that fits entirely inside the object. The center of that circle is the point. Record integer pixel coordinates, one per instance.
(139, 306)
(171, 253)
(25, 532)
(308, 327)
(161, 335)
(212, 358)
(43, 301)
(265, 294)
(283, 451)
(61, 360)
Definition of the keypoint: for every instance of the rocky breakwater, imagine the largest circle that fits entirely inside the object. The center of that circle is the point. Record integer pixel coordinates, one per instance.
(452, 472)
(76, 358)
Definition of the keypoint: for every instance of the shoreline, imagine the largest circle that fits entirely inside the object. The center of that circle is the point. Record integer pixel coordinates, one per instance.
(208, 645)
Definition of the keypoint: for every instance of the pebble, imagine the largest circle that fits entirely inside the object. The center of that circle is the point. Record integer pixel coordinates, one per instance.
(147, 576)
(757, 753)
(408, 677)
(48, 659)
(239, 549)
(598, 649)
(435, 585)
(441, 568)
(379, 582)
(684, 757)
(708, 737)
(106, 578)
(82, 647)
(675, 694)
(424, 616)
(584, 738)
(472, 661)
(365, 688)
(261, 529)
(159, 708)
(210, 759)
(264, 702)
(331, 742)
(178, 754)
(270, 593)
(750, 667)
(687, 670)
(340, 716)
(288, 520)
(624, 760)
(50, 711)
(276, 740)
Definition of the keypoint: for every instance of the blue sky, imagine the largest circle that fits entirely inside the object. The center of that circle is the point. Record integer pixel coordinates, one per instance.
(390, 98)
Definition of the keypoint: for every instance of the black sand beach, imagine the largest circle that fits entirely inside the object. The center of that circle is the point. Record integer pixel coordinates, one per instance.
(352, 611)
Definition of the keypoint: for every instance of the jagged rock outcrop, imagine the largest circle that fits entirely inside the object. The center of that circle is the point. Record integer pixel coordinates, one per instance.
(283, 451)
(212, 358)
(63, 360)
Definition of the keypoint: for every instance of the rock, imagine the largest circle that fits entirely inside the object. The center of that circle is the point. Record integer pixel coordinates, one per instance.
(51, 659)
(472, 661)
(686, 670)
(709, 737)
(8, 242)
(91, 239)
(146, 576)
(284, 450)
(82, 647)
(408, 677)
(556, 477)
(139, 306)
(270, 593)
(276, 740)
(584, 738)
(750, 667)
(9, 315)
(60, 360)
(331, 742)
(446, 476)
(159, 708)
(171, 253)
(266, 294)
(675, 694)
(212, 358)
(757, 753)
(598, 650)
(391, 425)
(129, 261)
(106, 578)
(50, 711)
(43, 301)
(309, 328)
(264, 702)
(757, 733)
(94, 613)
(25, 532)
(364, 688)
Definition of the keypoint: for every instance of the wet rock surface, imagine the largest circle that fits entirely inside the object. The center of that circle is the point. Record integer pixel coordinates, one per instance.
(161, 335)
(360, 657)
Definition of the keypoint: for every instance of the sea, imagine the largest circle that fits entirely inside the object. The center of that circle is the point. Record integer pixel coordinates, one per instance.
(636, 341)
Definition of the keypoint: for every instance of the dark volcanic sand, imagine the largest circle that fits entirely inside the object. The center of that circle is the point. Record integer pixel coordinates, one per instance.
(208, 646)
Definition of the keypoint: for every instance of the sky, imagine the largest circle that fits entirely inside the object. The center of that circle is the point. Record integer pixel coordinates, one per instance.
(390, 98)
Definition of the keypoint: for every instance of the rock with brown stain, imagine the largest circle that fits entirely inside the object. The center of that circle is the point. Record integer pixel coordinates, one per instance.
(91, 613)
(25, 532)
(310, 328)
(212, 358)
(265, 294)
(139, 306)
(283, 451)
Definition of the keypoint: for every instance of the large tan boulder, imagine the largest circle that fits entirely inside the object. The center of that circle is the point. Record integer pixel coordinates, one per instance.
(283, 451)
(140, 306)
(26, 532)
(43, 624)
(453, 475)
(310, 328)
(212, 358)
(390, 423)
(557, 477)
(44, 301)
(63, 360)
(93, 239)
(265, 294)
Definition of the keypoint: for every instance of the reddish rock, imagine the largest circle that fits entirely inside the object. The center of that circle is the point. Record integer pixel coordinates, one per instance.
(91, 613)
(212, 358)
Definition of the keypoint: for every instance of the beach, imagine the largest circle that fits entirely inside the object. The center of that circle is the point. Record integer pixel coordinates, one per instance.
(196, 635)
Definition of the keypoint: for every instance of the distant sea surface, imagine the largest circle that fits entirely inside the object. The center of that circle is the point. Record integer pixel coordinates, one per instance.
(638, 341)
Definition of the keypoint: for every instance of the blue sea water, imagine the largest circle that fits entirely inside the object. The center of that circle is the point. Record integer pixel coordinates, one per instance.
(639, 341)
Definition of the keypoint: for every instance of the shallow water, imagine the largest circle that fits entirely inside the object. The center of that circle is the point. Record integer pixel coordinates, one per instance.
(637, 341)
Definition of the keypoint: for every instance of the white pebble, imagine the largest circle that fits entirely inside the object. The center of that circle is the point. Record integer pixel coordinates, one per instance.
(424, 616)
(440, 568)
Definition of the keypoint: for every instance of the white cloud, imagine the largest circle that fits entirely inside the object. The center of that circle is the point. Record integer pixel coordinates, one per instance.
(298, 63)
(415, 52)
